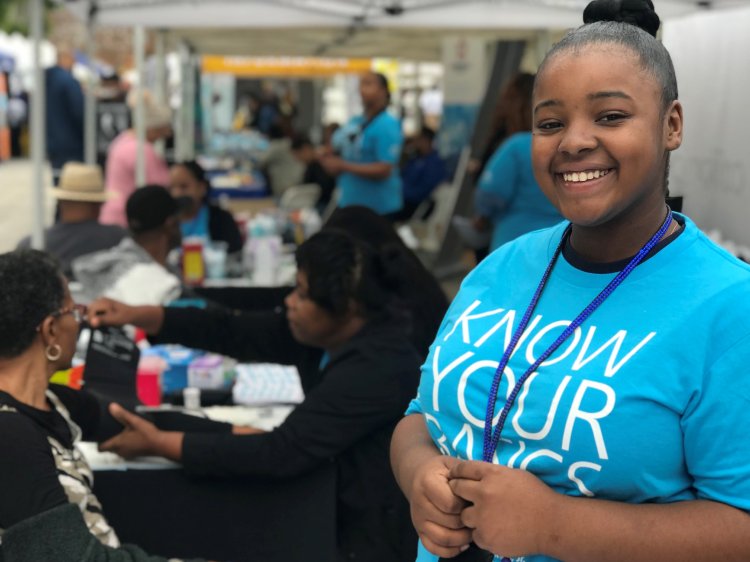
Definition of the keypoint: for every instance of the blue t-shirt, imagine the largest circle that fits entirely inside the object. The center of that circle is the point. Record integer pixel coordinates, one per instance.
(380, 141)
(197, 227)
(509, 195)
(647, 401)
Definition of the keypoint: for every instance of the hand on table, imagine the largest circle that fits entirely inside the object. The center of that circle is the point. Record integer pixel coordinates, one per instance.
(509, 509)
(138, 438)
(436, 510)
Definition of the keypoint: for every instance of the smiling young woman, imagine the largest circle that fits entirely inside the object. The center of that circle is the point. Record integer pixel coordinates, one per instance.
(601, 146)
(594, 359)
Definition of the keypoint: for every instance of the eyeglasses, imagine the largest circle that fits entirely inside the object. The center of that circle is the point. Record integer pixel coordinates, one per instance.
(79, 312)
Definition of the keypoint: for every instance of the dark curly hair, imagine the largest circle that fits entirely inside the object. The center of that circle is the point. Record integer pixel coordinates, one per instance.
(341, 269)
(417, 289)
(32, 288)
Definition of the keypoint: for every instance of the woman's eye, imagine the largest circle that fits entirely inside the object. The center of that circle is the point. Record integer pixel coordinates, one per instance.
(612, 117)
(549, 125)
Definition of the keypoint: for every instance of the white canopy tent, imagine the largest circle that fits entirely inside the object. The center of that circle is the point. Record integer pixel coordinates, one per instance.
(351, 28)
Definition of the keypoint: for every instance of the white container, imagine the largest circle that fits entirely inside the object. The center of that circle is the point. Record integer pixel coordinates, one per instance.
(192, 398)
(266, 252)
(207, 372)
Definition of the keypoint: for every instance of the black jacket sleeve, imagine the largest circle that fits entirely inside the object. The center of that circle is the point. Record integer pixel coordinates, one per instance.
(222, 227)
(245, 336)
(356, 397)
(60, 534)
(28, 476)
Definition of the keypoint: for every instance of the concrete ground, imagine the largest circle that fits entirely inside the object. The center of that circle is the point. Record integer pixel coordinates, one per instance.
(16, 201)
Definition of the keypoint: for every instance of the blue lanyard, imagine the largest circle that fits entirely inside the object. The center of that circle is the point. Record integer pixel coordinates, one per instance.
(491, 439)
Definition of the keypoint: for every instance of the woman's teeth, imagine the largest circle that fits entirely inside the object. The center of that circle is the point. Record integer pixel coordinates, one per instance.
(575, 177)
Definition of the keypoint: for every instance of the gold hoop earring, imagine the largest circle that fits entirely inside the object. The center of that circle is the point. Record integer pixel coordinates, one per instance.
(53, 353)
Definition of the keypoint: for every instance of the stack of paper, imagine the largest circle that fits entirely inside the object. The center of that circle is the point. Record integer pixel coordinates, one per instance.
(267, 383)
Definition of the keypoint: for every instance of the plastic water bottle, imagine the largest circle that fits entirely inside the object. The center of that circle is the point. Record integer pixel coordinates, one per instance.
(262, 251)
(266, 260)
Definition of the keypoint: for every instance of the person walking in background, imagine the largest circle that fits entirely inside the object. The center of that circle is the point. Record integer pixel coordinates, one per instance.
(369, 148)
(122, 156)
(80, 194)
(64, 112)
(508, 199)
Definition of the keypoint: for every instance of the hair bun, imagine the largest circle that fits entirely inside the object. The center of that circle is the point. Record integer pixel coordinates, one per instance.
(639, 13)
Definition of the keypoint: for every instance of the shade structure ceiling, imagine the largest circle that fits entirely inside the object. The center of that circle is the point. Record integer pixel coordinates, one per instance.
(350, 28)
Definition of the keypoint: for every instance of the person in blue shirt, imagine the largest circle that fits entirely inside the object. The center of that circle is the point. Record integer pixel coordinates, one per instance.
(585, 397)
(508, 199)
(64, 112)
(369, 148)
(202, 219)
(422, 173)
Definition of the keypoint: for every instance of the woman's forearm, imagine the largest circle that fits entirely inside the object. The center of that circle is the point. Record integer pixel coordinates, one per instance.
(592, 530)
(149, 318)
(411, 448)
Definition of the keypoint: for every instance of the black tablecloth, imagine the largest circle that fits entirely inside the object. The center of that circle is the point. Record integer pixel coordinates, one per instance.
(252, 520)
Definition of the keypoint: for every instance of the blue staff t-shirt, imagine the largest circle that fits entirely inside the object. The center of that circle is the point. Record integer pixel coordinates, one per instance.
(378, 141)
(509, 195)
(198, 226)
(647, 401)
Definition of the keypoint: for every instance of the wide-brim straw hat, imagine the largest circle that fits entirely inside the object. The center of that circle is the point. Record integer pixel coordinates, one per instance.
(81, 182)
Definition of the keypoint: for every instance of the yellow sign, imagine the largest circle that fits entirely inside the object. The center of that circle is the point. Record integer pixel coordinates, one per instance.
(303, 67)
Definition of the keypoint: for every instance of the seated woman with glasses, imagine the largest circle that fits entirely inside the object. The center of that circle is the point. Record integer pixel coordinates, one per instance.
(48, 510)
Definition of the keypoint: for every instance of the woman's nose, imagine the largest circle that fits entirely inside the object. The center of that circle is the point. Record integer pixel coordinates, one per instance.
(577, 138)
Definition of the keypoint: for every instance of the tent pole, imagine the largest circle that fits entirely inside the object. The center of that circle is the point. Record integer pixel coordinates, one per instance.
(139, 41)
(37, 127)
(89, 120)
(161, 79)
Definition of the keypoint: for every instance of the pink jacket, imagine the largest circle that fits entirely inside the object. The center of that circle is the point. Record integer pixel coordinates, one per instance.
(120, 175)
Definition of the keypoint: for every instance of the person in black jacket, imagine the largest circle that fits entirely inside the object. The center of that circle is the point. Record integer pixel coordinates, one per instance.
(202, 219)
(48, 510)
(422, 296)
(359, 370)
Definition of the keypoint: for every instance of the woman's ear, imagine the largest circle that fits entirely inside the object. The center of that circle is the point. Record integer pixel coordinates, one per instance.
(673, 126)
(49, 330)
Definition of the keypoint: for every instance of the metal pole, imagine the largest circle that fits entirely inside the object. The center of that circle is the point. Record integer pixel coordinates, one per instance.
(189, 80)
(161, 78)
(37, 127)
(89, 120)
(139, 42)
